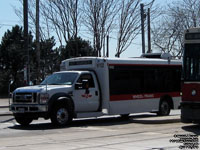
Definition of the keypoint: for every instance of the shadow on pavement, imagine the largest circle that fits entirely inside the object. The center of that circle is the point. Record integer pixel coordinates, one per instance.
(76, 123)
(192, 128)
(39, 126)
(158, 120)
(104, 121)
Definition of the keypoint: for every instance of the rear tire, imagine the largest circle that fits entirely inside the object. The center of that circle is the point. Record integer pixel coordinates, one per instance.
(23, 121)
(125, 116)
(164, 108)
(183, 120)
(61, 116)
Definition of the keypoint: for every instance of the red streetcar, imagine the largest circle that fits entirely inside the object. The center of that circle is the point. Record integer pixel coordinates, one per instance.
(190, 105)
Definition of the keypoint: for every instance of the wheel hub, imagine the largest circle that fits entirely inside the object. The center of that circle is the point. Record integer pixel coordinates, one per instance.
(62, 116)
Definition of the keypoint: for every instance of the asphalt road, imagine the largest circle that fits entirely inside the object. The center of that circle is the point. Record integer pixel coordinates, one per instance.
(140, 132)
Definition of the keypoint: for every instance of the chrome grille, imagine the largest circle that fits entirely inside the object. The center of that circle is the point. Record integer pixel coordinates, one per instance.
(25, 97)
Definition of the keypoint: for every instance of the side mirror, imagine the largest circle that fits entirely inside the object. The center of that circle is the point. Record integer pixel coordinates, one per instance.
(78, 86)
(9, 89)
(11, 82)
(83, 85)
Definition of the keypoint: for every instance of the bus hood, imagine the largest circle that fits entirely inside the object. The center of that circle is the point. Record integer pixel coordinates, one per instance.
(50, 89)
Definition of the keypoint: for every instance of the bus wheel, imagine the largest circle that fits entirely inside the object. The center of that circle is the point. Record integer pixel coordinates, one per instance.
(164, 108)
(23, 121)
(125, 116)
(61, 116)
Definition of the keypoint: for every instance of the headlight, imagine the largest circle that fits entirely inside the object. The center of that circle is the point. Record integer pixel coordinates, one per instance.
(44, 97)
(194, 92)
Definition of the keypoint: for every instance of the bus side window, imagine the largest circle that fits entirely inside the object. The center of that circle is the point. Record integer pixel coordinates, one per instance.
(198, 69)
(149, 81)
(137, 81)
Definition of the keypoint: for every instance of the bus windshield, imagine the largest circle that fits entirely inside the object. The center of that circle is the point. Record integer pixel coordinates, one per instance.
(192, 62)
(64, 78)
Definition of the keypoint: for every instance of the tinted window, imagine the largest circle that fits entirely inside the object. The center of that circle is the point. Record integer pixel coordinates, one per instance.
(144, 79)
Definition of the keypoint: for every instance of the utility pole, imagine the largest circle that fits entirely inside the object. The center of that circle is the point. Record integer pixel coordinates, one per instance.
(107, 53)
(142, 27)
(104, 49)
(149, 31)
(37, 40)
(26, 40)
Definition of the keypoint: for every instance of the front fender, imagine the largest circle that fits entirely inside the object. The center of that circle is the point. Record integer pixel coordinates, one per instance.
(61, 98)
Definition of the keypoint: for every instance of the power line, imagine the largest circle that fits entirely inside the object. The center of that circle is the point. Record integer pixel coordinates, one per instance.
(130, 42)
(1, 24)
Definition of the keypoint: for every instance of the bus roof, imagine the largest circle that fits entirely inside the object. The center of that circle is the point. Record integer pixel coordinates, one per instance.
(93, 62)
(136, 60)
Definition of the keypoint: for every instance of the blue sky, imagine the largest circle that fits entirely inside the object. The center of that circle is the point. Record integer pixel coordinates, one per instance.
(8, 19)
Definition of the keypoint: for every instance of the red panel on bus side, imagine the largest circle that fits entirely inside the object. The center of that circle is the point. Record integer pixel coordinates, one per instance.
(142, 96)
(191, 92)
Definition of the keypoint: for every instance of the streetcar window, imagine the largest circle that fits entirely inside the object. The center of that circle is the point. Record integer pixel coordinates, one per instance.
(192, 62)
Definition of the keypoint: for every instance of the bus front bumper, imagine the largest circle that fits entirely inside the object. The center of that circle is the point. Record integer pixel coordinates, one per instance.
(190, 112)
(34, 108)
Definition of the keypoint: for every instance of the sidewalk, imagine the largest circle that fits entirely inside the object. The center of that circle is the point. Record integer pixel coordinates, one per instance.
(4, 107)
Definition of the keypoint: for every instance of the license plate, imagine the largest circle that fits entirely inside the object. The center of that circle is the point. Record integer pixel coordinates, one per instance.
(22, 110)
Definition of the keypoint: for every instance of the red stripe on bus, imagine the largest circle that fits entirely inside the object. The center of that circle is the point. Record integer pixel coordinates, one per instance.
(142, 96)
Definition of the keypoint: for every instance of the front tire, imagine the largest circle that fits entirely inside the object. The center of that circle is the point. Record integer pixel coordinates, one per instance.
(61, 116)
(23, 121)
(164, 108)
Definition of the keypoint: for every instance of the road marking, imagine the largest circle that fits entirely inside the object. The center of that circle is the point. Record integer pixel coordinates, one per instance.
(98, 129)
(151, 133)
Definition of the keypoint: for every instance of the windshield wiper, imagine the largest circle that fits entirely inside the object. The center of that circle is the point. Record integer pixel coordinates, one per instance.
(55, 84)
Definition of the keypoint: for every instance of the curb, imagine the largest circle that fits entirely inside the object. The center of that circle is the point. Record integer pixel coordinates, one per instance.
(6, 114)
(4, 106)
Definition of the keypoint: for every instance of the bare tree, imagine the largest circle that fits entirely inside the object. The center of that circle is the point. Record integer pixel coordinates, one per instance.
(58, 16)
(129, 23)
(64, 16)
(98, 18)
(179, 16)
(167, 39)
(32, 16)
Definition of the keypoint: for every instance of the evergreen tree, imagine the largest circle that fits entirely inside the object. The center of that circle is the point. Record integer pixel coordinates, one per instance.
(49, 58)
(77, 47)
(13, 57)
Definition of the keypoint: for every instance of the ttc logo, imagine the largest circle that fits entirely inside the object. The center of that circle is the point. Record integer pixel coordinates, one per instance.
(86, 95)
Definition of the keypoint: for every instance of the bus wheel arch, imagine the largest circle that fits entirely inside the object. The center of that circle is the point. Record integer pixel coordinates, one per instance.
(62, 111)
(165, 105)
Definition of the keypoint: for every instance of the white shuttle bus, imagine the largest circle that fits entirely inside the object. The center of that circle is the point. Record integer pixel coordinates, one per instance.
(93, 87)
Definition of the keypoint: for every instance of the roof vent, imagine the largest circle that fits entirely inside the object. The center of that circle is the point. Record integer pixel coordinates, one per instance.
(157, 55)
(166, 56)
